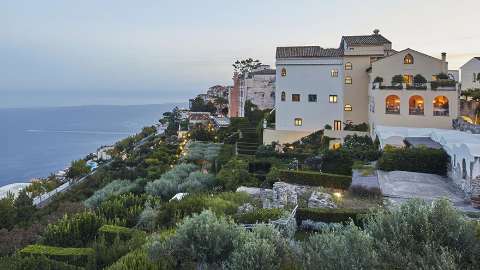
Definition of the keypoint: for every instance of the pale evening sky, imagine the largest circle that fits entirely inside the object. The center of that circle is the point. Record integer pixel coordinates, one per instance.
(55, 53)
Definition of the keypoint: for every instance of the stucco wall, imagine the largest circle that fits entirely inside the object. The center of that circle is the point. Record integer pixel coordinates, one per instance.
(260, 90)
(304, 77)
(356, 94)
(282, 136)
(466, 74)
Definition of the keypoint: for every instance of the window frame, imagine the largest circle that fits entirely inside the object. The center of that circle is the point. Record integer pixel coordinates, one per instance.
(348, 80)
(334, 73)
(295, 95)
(298, 122)
(283, 96)
(310, 98)
(283, 72)
(348, 66)
(337, 125)
(332, 98)
(348, 108)
(408, 59)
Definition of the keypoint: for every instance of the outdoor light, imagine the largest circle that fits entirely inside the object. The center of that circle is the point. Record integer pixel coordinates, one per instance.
(337, 195)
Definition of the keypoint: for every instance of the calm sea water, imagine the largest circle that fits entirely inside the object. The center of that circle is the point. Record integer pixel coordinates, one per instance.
(37, 141)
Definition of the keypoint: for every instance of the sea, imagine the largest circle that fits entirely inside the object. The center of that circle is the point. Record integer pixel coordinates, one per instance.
(35, 142)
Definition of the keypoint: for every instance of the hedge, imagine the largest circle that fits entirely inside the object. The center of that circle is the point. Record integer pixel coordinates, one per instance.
(262, 215)
(110, 232)
(73, 256)
(330, 215)
(424, 160)
(310, 178)
(136, 260)
(17, 262)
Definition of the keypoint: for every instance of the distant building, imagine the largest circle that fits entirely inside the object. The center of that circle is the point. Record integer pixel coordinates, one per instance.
(195, 118)
(218, 91)
(258, 86)
(103, 153)
(454, 74)
(234, 105)
(470, 74)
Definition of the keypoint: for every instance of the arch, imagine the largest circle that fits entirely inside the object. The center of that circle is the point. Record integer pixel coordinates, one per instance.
(441, 106)
(408, 59)
(284, 72)
(392, 104)
(283, 96)
(416, 105)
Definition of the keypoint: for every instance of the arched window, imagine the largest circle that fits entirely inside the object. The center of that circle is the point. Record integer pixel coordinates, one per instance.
(416, 105)
(408, 59)
(441, 106)
(348, 66)
(284, 72)
(392, 104)
(283, 96)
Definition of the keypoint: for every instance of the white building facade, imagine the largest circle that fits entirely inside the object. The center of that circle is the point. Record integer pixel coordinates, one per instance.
(470, 74)
(258, 87)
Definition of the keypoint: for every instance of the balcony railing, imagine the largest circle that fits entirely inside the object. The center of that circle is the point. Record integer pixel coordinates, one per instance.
(443, 85)
(416, 111)
(392, 110)
(440, 112)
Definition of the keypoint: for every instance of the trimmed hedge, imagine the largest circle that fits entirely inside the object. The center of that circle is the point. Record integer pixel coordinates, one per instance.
(310, 178)
(18, 262)
(259, 216)
(330, 215)
(73, 256)
(424, 160)
(110, 232)
(136, 260)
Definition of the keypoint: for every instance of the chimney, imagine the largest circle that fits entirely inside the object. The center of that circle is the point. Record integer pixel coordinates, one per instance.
(376, 31)
(444, 56)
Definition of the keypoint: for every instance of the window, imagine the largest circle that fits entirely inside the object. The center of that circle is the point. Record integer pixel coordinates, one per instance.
(298, 122)
(333, 98)
(434, 78)
(392, 104)
(312, 98)
(282, 96)
(337, 125)
(348, 80)
(440, 106)
(408, 59)
(348, 66)
(347, 108)
(284, 72)
(415, 105)
(334, 73)
(408, 79)
(296, 97)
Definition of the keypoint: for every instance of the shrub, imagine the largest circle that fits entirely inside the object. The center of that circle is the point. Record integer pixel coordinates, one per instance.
(110, 232)
(418, 234)
(329, 215)
(262, 215)
(327, 126)
(425, 160)
(37, 262)
(337, 162)
(397, 79)
(368, 192)
(146, 220)
(419, 79)
(234, 174)
(203, 239)
(108, 251)
(361, 148)
(75, 231)
(170, 182)
(315, 179)
(116, 187)
(346, 248)
(356, 127)
(378, 80)
(137, 260)
(123, 209)
(74, 256)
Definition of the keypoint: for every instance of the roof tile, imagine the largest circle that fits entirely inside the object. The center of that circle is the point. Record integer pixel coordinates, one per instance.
(307, 51)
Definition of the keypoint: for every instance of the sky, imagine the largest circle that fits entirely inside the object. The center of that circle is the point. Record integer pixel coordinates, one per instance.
(59, 53)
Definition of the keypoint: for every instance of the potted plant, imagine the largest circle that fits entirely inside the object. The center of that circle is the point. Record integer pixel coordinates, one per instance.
(398, 80)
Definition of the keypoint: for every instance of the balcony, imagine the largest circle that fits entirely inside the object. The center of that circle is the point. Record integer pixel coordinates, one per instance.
(416, 111)
(440, 85)
(392, 110)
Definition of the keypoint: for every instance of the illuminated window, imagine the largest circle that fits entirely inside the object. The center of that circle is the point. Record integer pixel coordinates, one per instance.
(334, 73)
(348, 66)
(336, 146)
(298, 122)
(408, 59)
(348, 108)
(284, 72)
(333, 98)
(440, 106)
(282, 96)
(348, 80)
(392, 104)
(312, 98)
(416, 105)
(434, 78)
(408, 79)
(296, 97)
(337, 125)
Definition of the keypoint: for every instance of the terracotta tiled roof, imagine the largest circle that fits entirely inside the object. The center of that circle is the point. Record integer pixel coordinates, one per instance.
(307, 51)
(365, 40)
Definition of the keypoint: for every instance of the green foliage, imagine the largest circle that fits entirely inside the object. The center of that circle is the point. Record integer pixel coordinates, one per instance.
(315, 179)
(344, 249)
(122, 209)
(24, 209)
(200, 152)
(110, 232)
(337, 162)
(419, 79)
(203, 239)
(147, 219)
(397, 79)
(378, 80)
(199, 105)
(361, 148)
(234, 174)
(137, 260)
(422, 159)
(262, 215)
(356, 127)
(221, 204)
(329, 215)
(7, 212)
(116, 187)
(74, 256)
(77, 168)
(328, 127)
(246, 65)
(202, 133)
(109, 251)
(75, 231)
(418, 235)
(37, 262)
(42, 186)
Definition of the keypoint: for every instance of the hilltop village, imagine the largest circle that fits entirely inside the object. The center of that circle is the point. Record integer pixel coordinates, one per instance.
(358, 156)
